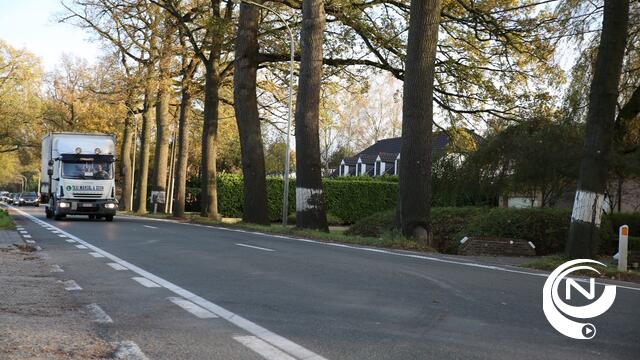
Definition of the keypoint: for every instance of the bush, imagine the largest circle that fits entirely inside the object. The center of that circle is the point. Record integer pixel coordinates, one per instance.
(446, 223)
(373, 225)
(546, 228)
(632, 219)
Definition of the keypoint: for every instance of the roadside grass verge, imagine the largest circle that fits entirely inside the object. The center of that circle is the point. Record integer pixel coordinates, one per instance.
(5, 220)
(389, 240)
(550, 262)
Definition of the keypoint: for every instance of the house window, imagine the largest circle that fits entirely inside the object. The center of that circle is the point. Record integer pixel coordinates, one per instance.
(378, 169)
(342, 172)
(359, 169)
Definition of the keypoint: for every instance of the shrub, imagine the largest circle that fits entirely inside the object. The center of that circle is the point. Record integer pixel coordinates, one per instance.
(446, 223)
(632, 219)
(373, 225)
(546, 228)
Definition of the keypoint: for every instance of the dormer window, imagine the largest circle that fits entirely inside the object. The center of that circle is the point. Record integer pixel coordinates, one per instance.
(396, 167)
(378, 169)
(361, 168)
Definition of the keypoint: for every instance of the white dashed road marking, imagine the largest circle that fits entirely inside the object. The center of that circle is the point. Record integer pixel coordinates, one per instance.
(192, 308)
(274, 339)
(145, 282)
(96, 255)
(70, 241)
(71, 285)
(56, 268)
(255, 247)
(81, 246)
(117, 266)
(150, 227)
(99, 315)
(128, 350)
(263, 348)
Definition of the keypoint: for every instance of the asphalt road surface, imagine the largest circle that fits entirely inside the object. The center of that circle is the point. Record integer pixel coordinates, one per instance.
(185, 291)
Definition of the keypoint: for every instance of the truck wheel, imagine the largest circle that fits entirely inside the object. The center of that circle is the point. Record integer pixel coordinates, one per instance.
(109, 217)
(48, 213)
(92, 217)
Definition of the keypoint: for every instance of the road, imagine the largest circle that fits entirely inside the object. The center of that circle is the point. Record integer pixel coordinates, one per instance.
(246, 295)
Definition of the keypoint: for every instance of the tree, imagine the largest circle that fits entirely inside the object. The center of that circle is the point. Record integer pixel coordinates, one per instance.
(188, 70)
(206, 28)
(417, 120)
(587, 207)
(164, 95)
(310, 210)
(247, 116)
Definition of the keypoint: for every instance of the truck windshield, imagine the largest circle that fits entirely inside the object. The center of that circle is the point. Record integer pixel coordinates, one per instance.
(87, 170)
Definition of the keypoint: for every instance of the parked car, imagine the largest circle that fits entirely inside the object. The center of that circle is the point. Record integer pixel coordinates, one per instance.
(29, 198)
(15, 198)
(4, 196)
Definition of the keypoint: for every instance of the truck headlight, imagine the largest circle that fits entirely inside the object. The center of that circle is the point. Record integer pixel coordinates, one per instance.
(110, 205)
(64, 205)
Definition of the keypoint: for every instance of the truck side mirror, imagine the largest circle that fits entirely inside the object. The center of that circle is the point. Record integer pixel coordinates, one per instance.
(49, 172)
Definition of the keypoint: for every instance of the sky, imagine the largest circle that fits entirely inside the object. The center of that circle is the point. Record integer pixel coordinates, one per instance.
(32, 25)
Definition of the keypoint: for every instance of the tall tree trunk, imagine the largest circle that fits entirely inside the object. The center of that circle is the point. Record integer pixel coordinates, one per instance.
(162, 112)
(126, 158)
(145, 139)
(310, 209)
(183, 145)
(209, 193)
(255, 208)
(603, 96)
(417, 120)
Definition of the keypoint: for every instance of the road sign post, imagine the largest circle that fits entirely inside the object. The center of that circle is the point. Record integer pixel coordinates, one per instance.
(623, 243)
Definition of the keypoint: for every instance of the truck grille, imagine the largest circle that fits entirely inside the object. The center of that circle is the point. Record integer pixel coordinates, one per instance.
(87, 196)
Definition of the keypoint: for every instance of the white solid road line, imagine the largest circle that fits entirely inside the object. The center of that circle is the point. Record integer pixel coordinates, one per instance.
(99, 315)
(145, 282)
(192, 308)
(150, 227)
(81, 246)
(255, 247)
(274, 339)
(264, 349)
(117, 266)
(71, 285)
(96, 255)
(128, 350)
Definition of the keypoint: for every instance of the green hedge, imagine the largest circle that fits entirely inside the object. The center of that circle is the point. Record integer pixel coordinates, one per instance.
(346, 201)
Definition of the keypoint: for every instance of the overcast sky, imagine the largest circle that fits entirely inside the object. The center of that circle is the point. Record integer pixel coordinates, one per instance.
(32, 24)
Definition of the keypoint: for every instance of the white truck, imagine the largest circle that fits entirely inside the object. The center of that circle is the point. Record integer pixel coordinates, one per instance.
(77, 173)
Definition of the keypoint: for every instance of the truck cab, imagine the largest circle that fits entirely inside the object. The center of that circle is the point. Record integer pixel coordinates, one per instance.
(81, 178)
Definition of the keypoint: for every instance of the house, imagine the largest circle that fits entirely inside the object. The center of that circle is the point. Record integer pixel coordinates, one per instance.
(383, 157)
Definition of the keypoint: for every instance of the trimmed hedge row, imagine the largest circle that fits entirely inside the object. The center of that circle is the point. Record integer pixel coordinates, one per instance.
(349, 201)
(546, 228)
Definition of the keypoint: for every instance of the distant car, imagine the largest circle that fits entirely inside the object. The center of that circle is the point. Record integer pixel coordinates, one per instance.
(4, 196)
(15, 199)
(29, 198)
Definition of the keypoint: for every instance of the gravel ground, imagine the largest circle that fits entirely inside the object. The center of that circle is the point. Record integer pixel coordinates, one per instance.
(38, 318)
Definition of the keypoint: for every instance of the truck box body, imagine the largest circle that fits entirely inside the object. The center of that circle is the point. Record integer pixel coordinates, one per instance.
(78, 175)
